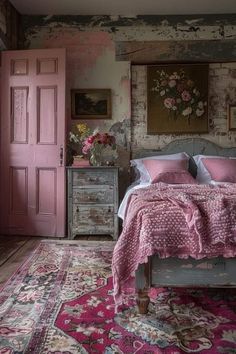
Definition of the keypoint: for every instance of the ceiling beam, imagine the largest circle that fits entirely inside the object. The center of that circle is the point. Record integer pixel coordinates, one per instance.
(149, 52)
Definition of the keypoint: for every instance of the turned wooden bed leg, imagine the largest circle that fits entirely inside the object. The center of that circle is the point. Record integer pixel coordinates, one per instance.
(143, 283)
(142, 301)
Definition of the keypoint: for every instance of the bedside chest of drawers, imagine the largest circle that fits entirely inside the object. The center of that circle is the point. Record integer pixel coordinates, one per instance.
(92, 201)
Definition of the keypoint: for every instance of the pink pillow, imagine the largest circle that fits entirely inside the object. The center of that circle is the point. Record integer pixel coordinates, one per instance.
(155, 167)
(221, 170)
(176, 177)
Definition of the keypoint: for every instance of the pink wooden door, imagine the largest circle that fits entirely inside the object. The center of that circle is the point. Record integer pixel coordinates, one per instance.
(32, 142)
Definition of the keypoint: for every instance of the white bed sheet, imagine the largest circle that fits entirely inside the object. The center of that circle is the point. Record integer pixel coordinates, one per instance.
(131, 188)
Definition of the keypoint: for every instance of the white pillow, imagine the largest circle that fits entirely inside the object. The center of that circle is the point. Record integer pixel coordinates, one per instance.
(203, 176)
(144, 175)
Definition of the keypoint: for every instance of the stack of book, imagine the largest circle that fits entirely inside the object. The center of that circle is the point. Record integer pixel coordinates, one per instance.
(80, 161)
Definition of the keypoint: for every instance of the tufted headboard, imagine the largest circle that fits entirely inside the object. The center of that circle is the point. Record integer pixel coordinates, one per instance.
(192, 146)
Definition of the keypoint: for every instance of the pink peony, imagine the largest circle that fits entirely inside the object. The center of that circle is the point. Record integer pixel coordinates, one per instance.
(186, 96)
(98, 138)
(172, 83)
(169, 102)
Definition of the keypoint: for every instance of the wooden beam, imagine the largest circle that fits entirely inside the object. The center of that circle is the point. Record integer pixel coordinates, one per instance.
(3, 41)
(149, 52)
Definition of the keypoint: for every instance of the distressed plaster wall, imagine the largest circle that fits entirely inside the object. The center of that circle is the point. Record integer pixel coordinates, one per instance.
(91, 64)
(91, 56)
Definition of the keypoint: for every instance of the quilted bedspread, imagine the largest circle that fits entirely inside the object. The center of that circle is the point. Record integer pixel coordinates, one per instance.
(179, 221)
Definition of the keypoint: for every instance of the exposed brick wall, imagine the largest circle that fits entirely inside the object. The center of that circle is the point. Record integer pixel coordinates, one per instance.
(222, 91)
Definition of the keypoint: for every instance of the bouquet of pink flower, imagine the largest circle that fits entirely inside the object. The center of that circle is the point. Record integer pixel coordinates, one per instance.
(96, 143)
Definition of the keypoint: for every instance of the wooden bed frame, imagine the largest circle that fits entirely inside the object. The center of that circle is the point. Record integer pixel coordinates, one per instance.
(173, 272)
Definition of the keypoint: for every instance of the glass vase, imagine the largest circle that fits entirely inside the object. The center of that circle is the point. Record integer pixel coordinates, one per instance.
(95, 159)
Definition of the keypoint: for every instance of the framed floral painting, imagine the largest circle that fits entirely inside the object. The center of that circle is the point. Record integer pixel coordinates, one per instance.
(177, 99)
(232, 116)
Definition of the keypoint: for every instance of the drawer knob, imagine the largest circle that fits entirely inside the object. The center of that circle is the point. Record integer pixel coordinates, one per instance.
(77, 209)
(109, 210)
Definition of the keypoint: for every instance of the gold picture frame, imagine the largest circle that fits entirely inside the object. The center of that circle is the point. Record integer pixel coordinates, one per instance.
(91, 104)
(232, 116)
(177, 99)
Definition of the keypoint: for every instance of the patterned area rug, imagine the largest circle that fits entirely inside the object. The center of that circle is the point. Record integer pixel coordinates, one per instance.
(60, 301)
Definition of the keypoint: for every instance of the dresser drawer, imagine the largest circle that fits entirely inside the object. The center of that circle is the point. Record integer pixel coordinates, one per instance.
(88, 219)
(93, 195)
(89, 178)
(92, 201)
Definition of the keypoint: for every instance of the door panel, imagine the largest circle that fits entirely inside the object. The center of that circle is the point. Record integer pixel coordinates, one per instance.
(47, 115)
(32, 135)
(46, 188)
(19, 66)
(19, 115)
(18, 190)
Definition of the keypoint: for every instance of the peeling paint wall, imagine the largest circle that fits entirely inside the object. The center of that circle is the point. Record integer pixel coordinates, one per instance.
(90, 43)
(91, 64)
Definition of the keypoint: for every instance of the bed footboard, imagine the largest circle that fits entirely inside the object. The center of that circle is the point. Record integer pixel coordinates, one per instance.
(173, 272)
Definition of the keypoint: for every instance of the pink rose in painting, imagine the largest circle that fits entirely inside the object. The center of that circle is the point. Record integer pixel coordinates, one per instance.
(172, 83)
(186, 96)
(169, 102)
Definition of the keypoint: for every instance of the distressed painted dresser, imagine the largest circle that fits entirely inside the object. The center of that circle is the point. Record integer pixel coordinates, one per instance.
(92, 201)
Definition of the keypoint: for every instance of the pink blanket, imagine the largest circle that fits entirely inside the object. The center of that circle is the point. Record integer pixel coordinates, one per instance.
(180, 221)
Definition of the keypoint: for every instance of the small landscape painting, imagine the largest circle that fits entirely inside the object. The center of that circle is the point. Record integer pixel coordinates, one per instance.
(91, 103)
(177, 99)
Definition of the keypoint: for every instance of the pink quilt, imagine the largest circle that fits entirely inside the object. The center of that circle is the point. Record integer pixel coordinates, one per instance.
(180, 221)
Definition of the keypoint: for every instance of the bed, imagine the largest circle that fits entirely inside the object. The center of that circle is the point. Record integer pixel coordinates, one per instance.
(158, 270)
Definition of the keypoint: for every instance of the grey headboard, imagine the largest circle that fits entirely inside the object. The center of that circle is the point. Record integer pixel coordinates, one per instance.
(192, 146)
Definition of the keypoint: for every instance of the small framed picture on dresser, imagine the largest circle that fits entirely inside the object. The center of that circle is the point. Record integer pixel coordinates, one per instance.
(232, 116)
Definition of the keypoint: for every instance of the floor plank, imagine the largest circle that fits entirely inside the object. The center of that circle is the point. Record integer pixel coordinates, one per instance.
(10, 246)
(12, 264)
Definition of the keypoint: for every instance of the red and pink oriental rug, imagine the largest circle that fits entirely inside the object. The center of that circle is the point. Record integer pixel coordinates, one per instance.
(61, 302)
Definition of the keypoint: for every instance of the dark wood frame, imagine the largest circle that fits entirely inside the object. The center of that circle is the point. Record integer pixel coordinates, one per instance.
(106, 93)
(158, 114)
(230, 118)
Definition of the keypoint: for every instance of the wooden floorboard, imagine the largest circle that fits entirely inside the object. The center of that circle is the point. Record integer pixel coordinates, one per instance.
(14, 262)
(9, 247)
